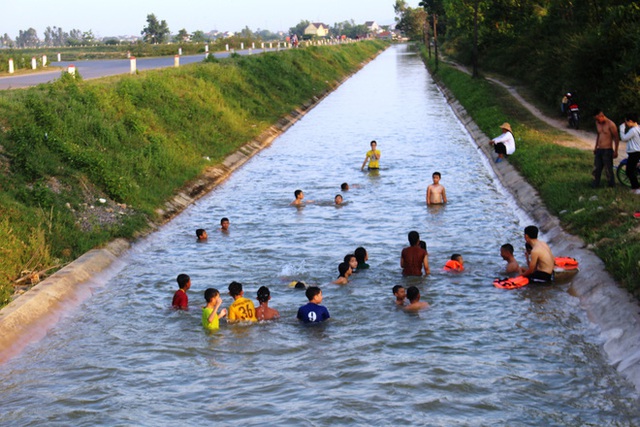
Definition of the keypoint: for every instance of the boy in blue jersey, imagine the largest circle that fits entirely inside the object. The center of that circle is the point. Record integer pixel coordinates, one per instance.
(313, 312)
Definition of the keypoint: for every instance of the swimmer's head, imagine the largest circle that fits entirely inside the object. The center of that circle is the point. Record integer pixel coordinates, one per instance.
(373, 144)
(184, 281)
(210, 294)
(531, 232)
(414, 238)
(224, 223)
(235, 289)
(399, 292)
(201, 234)
(413, 293)
(361, 255)
(264, 294)
(344, 269)
(344, 186)
(338, 199)
(298, 193)
(506, 250)
(351, 260)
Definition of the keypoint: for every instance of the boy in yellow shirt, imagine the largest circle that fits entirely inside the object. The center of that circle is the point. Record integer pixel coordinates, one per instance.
(242, 308)
(210, 316)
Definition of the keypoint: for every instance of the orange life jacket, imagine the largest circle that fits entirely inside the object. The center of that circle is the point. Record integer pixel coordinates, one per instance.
(453, 265)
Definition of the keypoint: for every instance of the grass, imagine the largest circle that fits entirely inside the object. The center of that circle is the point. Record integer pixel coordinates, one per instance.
(135, 140)
(603, 218)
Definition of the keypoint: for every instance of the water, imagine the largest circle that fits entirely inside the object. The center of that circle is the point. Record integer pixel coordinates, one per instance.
(478, 356)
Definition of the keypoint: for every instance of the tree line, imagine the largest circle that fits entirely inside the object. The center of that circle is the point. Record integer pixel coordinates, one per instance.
(590, 48)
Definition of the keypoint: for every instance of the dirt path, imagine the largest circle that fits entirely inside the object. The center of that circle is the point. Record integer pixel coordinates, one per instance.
(580, 139)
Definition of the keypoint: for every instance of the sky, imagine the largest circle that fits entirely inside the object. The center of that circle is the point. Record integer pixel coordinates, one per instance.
(128, 17)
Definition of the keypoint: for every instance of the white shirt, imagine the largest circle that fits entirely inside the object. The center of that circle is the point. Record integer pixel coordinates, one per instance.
(632, 138)
(508, 141)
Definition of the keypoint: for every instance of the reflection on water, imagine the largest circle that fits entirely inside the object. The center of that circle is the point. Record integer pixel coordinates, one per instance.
(478, 356)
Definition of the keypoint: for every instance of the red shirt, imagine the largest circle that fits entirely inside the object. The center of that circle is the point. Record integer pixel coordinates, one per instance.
(180, 299)
(413, 261)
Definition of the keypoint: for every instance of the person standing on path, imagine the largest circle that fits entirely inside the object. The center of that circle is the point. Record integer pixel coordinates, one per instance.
(605, 150)
(632, 138)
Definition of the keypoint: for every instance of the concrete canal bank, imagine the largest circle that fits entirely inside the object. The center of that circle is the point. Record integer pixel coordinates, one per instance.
(609, 306)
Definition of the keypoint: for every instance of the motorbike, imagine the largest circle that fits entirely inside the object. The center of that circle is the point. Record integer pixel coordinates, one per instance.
(573, 115)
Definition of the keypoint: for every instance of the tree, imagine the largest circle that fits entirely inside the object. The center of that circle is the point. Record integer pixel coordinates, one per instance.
(246, 33)
(6, 41)
(182, 36)
(88, 37)
(28, 38)
(299, 29)
(409, 20)
(155, 32)
(199, 37)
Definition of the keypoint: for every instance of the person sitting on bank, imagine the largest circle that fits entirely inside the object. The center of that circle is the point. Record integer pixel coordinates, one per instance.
(542, 261)
(344, 269)
(413, 295)
(373, 157)
(263, 311)
(413, 258)
(505, 144)
(506, 252)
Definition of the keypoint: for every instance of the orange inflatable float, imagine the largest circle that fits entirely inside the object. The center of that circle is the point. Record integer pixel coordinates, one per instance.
(511, 282)
(566, 263)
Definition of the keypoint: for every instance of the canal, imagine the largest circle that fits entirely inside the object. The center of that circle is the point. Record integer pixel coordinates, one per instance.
(478, 356)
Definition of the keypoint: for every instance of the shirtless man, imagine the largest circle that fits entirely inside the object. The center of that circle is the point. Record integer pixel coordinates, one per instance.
(263, 311)
(605, 150)
(299, 197)
(506, 252)
(541, 262)
(413, 295)
(436, 194)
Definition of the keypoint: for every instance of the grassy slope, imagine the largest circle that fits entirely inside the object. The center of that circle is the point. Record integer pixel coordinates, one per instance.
(603, 218)
(135, 140)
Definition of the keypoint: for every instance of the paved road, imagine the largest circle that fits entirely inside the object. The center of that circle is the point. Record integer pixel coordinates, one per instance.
(92, 69)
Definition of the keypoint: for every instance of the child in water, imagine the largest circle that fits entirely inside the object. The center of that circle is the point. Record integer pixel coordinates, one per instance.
(456, 263)
(263, 311)
(180, 298)
(400, 294)
(436, 194)
(210, 316)
(313, 312)
(345, 271)
(413, 294)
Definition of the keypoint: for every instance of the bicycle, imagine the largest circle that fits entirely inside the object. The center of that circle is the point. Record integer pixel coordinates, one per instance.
(621, 173)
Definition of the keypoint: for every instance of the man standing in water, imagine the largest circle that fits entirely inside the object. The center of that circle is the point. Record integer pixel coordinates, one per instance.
(541, 263)
(373, 157)
(414, 258)
(604, 150)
